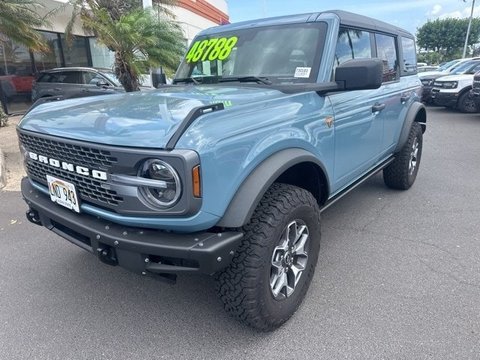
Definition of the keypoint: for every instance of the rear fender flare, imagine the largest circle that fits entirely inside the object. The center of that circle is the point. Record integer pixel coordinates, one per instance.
(416, 112)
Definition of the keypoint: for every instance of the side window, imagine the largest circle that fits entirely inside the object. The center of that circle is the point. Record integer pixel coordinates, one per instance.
(387, 52)
(88, 78)
(409, 65)
(65, 77)
(352, 44)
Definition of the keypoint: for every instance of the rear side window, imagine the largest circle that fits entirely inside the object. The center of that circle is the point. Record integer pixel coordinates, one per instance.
(387, 52)
(409, 65)
(64, 77)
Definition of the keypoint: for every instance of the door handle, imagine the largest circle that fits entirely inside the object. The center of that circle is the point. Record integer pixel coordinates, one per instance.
(57, 89)
(378, 107)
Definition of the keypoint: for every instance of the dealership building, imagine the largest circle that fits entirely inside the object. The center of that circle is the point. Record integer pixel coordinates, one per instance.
(18, 65)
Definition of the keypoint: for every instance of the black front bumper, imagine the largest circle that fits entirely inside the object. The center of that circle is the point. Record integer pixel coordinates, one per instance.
(144, 251)
(445, 99)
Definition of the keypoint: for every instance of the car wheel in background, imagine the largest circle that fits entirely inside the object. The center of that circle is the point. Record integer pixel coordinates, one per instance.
(466, 103)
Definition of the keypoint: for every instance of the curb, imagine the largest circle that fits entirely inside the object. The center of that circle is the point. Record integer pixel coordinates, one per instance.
(3, 173)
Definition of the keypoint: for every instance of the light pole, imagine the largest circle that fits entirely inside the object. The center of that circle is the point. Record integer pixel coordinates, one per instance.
(468, 30)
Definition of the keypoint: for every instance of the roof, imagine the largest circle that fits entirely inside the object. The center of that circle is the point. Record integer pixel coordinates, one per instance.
(77, 68)
(346, 18)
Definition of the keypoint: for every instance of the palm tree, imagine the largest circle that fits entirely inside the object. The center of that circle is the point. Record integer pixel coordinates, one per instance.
(18, 20)
(140, 38)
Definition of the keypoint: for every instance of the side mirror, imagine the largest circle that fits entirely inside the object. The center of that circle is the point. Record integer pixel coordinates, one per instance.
(360, 74)
(102, 83)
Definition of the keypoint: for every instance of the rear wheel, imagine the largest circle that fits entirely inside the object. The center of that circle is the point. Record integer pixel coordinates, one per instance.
(272, 270)
(466, 103)
(402, 172)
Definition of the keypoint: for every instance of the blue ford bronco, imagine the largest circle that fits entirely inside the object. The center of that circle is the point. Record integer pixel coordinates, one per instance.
(226, 171)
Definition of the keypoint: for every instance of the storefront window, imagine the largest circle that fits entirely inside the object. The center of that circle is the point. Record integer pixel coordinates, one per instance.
(51, 59)
(101, 56)
(16, 76)
(75, 51)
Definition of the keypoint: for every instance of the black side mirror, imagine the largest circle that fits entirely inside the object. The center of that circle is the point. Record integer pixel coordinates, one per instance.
(102, 83)
(360, 74)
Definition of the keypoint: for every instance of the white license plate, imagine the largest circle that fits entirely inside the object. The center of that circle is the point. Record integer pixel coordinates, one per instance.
(63, 193)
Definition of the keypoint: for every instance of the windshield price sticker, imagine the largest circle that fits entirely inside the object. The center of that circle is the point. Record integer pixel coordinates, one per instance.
(211, 49)
(302, 72)
(63, 193)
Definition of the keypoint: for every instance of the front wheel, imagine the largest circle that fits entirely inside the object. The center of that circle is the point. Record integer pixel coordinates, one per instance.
(272, 270)
(402, 172)
(466, 104)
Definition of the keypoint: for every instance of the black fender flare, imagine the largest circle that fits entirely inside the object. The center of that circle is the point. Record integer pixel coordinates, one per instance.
(416, 112)
(251, 191)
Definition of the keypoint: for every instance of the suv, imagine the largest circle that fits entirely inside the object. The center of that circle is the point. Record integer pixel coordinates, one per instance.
(428, 78)
(72, 82)
(453, 91)
(475, 92)
(226, 171)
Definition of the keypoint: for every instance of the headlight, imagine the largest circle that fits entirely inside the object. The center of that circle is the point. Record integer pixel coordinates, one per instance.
(446, 84)
(427, 82)
(450, 84)
(165, 190)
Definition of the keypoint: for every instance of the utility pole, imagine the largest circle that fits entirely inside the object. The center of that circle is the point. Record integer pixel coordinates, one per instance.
(468, 30)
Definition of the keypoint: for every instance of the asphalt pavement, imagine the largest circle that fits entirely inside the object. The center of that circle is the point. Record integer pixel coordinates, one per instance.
(398, 277)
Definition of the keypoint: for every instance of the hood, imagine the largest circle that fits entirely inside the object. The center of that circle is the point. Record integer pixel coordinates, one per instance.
(431, 74)
(140, 119)
(461, 77)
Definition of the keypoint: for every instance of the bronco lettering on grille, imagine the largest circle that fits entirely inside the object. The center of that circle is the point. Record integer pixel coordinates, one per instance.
(81, 170)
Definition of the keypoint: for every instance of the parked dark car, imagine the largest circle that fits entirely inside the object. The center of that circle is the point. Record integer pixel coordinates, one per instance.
(73, 82)
(476, 89)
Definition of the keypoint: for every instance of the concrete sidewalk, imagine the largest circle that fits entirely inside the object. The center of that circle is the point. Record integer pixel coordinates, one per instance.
(11, 167)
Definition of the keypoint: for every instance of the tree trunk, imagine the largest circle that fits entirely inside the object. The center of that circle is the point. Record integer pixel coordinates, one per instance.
(3, 116)
(125, 74)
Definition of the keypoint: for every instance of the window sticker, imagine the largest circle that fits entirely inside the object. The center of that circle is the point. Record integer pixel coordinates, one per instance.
(211, 49)
(302, 72)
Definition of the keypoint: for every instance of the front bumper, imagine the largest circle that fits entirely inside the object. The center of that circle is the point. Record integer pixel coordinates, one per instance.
(447, 99)
(427, 94)
(143, 251)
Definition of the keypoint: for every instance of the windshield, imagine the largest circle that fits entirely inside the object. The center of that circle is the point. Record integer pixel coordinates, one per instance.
(274, 54)
(465, 68)
(447, 65)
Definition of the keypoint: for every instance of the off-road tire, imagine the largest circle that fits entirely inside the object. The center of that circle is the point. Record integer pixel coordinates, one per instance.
(244, 286)
(397, 175)
(466, 104)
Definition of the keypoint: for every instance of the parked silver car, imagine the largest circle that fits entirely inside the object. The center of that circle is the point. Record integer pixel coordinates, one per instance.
(72, 82)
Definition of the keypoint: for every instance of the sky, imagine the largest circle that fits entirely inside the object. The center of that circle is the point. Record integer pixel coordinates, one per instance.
(407, 14)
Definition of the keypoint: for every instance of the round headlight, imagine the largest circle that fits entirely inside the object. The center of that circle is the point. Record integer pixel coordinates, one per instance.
(165, 189)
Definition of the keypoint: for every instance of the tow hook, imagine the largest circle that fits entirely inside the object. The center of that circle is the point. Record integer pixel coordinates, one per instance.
(33, 217)
(106, 254)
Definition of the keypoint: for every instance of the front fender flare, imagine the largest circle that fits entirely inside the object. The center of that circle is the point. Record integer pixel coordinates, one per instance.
(253, 188)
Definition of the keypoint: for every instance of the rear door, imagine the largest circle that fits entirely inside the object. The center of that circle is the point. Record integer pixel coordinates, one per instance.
(66, 83)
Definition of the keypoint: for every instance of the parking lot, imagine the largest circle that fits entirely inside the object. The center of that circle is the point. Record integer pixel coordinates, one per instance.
(398, 277)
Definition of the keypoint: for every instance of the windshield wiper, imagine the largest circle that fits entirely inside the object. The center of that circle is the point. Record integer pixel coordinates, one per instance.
(260, 80)
(187, 80)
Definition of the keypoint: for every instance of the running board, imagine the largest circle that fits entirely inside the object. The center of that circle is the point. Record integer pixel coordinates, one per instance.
(356, 183)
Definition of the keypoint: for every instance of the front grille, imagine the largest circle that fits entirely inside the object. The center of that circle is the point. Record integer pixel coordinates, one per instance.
(81, 155)
(89, 189)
